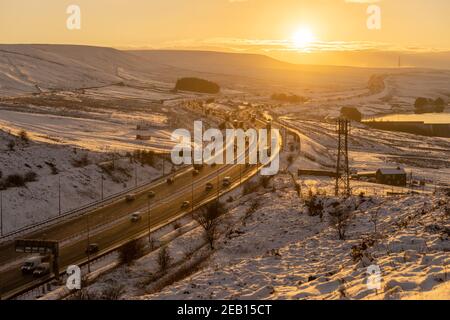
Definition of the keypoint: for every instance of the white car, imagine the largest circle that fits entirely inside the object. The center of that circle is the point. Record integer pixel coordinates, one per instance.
(185, 205)
(135, 217)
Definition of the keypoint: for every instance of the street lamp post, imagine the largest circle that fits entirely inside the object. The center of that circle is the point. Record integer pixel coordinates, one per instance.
(102, 186)
(88, 244)
(59, 195)
(1, 213)
(150, 196)
(135, 175)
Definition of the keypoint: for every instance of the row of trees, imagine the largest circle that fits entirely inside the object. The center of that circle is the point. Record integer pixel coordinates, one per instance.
(291, 98)
(197, 85)
(425, 105)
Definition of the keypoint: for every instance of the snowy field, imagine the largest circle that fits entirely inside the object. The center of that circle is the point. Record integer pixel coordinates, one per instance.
(74, 172)
(81, 106)
(116, 132)
(271, 248)
(398, 95)
(427, 158)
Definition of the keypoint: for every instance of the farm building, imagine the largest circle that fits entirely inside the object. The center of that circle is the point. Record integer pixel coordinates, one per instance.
(391, 176)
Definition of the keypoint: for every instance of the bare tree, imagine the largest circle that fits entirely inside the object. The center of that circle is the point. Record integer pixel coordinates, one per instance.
(340, 220)
(374, 216)
(164, 259)
(207, 218)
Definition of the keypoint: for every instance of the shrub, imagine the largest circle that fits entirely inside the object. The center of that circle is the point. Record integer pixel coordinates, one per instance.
(164, 259)
(11, 145)
(30, 176)
(314, 205)
(52, 167)
(176, 225)
(81, 162)
(84, 294)
(113, 292)
(131, 251)
(290, 159)
(265, 180)
(14, 180)
(24, 136)
(249, 188)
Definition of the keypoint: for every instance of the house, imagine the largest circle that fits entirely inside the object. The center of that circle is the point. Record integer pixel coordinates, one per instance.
(391, 176)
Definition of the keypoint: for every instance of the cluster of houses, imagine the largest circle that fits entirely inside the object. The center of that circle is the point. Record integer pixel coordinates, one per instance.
(388, 176)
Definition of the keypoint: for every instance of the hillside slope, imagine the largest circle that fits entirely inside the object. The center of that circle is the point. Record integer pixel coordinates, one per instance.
(35, 68)
(256, 66)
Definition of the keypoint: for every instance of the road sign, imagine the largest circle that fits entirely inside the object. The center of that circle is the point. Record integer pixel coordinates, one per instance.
(37, 246)
(42, 247)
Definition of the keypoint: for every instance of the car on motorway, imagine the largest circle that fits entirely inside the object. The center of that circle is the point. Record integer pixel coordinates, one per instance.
(185, 204)
(226, 181)
(92, 248)
(209, 186)
(151, 194)
(130, 197)
(135, 217)
(170, 180)
(198, 166)
(31, 264)
(42, 270)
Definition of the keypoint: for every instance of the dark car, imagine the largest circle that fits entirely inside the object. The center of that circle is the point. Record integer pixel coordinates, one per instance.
(41, 270)
(92, 248)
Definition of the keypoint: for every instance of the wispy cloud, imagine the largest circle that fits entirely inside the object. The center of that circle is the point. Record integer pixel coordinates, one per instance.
(362, 1)
(267, 45)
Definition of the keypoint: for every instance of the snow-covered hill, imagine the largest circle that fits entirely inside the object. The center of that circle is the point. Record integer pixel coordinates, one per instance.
(281, 252)
(271, 247)
(36, 68)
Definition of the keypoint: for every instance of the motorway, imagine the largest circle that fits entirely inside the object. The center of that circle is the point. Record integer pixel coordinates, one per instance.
(110, 226)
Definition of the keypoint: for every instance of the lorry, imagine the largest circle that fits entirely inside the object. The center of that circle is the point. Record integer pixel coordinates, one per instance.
(31, 264)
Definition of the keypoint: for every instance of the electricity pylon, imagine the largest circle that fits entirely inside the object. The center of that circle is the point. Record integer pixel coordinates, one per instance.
(342, 167)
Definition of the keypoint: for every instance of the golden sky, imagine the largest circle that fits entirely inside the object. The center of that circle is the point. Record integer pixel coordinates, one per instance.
(246, 25)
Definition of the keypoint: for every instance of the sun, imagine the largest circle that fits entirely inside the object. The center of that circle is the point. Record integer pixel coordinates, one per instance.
(302, 37)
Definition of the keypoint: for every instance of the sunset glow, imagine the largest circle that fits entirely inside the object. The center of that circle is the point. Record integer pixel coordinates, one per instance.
(302, 38)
